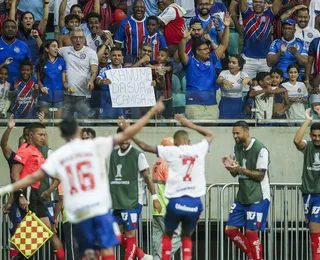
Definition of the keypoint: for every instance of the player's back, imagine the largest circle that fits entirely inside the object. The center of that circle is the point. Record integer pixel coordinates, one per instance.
(81, 165)
(186, 175)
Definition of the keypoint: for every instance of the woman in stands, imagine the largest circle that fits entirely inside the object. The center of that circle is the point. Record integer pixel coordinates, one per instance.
(232, 83)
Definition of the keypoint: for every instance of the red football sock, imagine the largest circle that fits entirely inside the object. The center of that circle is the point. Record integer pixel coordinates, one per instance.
(315, 246)
(131, 248)
(60, 254)
(255, 244)
(139, 253)
(123, 241)
(240, 241)
(109, 257)
(166, 247)
(187, 248)
(13, 252)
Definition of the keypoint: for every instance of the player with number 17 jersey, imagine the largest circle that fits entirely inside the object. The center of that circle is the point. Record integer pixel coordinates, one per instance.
(184, 162)
(185, 185)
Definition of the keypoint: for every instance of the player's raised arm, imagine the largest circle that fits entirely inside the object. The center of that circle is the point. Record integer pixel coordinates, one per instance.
(142, 145)
(298, 142)
(130, 131)
(23, 183)
(201, 130)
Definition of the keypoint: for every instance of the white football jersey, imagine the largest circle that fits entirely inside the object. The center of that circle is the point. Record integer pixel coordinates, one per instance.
(186, 176)
(81, 166)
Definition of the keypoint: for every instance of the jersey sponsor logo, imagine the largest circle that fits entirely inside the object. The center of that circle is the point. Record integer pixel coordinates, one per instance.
(251, 215)
(316, 163)
(83, 56)
(186, 208)
(16, 49)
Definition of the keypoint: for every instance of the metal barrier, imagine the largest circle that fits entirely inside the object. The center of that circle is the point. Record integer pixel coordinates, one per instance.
(286, 236)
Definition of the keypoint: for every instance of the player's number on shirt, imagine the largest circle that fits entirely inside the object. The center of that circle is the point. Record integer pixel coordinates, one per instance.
(187, 160)
(82, 172)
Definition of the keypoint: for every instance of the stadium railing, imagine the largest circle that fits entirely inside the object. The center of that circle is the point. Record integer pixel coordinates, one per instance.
(285, 238)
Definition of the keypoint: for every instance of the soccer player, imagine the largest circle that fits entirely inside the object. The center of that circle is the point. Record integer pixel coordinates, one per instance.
(250, 209)
(310, 179)
(81, 167)
(185, 186)
(129, 169)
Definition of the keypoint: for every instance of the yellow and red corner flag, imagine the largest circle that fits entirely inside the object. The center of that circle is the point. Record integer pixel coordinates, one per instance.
(30, 235)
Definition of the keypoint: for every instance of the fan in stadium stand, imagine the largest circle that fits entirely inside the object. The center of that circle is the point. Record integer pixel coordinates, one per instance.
(118, 16)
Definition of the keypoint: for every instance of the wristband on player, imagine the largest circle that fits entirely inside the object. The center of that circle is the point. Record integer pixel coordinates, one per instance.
(154, 197)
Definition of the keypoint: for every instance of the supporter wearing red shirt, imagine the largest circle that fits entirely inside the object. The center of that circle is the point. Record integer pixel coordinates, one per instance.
(172, 17)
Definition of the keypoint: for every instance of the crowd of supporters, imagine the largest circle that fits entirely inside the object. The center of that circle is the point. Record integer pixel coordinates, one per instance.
(209, 59)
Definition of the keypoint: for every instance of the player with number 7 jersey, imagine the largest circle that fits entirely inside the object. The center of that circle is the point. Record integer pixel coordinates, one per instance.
(186, 184)
(80, 165)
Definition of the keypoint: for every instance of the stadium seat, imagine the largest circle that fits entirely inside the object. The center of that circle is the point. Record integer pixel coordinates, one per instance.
(178, 91)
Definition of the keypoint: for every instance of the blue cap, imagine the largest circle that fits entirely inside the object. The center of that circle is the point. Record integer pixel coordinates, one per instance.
(289, 21)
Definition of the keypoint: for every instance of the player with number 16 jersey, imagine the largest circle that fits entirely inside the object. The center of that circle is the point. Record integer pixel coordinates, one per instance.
(81, 167)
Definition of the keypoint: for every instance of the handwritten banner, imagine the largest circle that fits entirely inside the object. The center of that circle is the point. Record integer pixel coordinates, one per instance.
(131, 87)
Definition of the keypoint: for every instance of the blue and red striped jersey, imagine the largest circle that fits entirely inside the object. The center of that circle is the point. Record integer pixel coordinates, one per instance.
(257, 33)
(130, 32)
(314, 51)
(157, 41)
(23, 107)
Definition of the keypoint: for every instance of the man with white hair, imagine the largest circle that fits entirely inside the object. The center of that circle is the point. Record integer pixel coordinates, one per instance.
(82, 69)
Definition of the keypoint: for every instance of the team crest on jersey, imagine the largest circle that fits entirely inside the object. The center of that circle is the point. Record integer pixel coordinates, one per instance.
(310, 35)
(82, 56)
(239, 81)
(124, 216)
(60, 67)
(263, 19)
(96, 43)
(154, 41)
(16, 49)
(299, 90)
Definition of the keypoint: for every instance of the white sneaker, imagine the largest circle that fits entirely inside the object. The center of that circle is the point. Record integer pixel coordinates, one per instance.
(147, 257)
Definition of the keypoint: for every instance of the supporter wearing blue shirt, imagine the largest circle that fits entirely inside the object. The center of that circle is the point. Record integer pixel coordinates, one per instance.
(257, 24)
(288, 50)
(208, 21)
(51, 72)
(10, 47)
(29, 32)
(200, 75)
(106, 109)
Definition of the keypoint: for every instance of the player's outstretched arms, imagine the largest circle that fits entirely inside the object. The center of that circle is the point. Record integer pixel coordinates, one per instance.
(142, 145)
(298, 142)
(130, 131)
(23, 183)
(201, 130)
